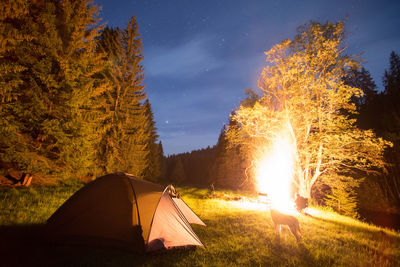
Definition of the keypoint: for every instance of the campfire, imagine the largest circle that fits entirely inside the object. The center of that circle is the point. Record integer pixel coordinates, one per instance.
(274, 176)
(274, 179)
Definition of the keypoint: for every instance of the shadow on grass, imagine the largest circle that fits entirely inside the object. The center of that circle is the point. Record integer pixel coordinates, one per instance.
(306, 256)
(282, 250)
(25, 245)
(385, 237)
(352, 227)
(381, 218)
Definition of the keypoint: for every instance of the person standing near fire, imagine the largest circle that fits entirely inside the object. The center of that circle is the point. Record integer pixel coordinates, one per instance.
(301, 202)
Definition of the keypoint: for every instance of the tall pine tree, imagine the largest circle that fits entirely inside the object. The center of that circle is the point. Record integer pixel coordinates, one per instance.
(391, 116)
(124, 145)
(391, 128)
(50, 102)
(178, 172)
(229, 169)
(14, 16)
(155, 157)
(163, 163)
(108, 154)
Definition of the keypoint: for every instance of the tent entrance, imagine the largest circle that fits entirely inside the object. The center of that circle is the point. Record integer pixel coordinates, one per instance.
(170, 228)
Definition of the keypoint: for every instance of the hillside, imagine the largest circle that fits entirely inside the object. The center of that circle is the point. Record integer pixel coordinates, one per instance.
(238, 233)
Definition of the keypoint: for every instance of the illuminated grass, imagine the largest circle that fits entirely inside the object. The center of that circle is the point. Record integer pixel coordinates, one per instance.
(234, 236)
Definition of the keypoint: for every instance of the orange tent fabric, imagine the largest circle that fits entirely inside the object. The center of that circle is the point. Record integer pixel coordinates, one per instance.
(122, 211)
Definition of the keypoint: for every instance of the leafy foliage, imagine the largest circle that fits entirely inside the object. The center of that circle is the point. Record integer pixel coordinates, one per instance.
(304, 96)
(342, 197)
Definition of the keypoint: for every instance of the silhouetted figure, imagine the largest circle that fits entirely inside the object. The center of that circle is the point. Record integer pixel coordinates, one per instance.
(301, 202)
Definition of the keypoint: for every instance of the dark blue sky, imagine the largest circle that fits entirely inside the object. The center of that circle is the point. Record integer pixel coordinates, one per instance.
(200, 55)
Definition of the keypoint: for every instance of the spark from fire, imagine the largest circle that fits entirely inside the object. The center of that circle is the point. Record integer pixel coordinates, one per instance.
(275, 174)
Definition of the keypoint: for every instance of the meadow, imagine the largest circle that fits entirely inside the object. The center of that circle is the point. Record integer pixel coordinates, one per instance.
(238, 233)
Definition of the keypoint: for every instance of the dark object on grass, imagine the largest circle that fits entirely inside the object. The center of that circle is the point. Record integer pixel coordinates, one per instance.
(301, 202)
(156, 245)
(25, 179)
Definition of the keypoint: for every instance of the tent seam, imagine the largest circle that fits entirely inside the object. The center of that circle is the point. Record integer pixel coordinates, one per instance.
(136, 202)
(192, 211)
(152, 218)
(181, 213)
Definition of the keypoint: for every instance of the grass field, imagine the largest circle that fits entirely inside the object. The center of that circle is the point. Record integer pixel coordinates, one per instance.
(236, 235)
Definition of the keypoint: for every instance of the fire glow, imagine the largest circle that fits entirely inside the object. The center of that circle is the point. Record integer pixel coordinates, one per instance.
(275, 175)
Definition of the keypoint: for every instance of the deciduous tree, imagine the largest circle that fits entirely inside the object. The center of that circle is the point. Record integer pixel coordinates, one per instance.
(305, 98)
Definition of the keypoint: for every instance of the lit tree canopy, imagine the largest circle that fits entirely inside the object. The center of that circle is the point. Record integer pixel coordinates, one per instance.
(304, 97)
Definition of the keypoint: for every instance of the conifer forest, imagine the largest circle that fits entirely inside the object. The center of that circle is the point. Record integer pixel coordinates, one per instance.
(74, 103)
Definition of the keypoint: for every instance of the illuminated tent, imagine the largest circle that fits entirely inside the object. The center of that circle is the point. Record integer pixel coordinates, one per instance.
(122, 211)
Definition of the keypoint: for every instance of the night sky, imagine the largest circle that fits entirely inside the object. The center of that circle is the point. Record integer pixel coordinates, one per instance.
(199, 56)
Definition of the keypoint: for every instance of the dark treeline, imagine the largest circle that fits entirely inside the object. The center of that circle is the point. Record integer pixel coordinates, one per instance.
(380, 111)
(220, 166)
(223, 166)
(189, 168)
(72, 99)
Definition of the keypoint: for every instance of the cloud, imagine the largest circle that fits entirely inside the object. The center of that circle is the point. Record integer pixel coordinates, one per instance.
(187, 59)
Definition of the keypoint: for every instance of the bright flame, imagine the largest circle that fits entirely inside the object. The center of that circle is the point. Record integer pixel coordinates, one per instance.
(275, 175)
